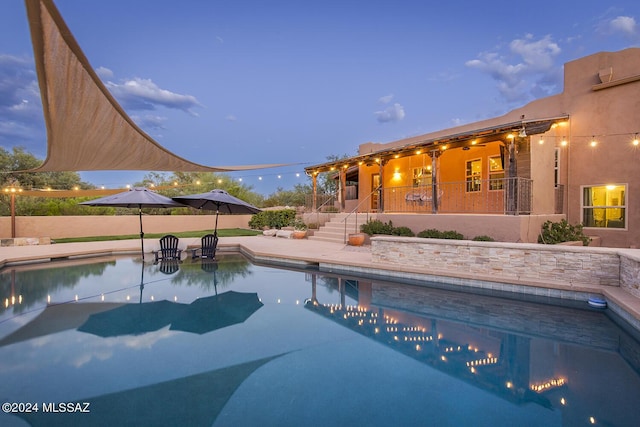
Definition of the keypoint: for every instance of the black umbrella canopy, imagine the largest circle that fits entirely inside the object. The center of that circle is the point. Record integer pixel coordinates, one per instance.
(215, 312)
(137, 197)
(131, 319)
(219, 201)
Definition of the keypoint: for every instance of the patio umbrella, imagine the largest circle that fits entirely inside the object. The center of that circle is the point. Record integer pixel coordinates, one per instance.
(137, 197)
(219, 201)
(131, 319)
(217, 311)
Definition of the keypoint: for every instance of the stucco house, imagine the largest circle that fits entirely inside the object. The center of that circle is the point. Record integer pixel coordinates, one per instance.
(573, 155)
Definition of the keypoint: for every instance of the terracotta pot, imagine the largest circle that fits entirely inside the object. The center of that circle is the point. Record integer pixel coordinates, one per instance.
(356, 239)
(299, 234)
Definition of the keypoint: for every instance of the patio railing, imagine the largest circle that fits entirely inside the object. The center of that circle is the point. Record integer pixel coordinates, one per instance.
(509, 196)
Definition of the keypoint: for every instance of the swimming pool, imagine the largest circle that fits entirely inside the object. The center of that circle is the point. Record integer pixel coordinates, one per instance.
(291, 348)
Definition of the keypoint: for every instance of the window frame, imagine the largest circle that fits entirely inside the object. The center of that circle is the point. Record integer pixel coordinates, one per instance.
(497, 182)
(622, 207)
(473, 182)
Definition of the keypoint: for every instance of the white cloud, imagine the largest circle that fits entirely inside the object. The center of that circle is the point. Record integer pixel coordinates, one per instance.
(231, 118)
(625, 25)
(532, 73)
(393, 113)
(104, 73)
(150, 121)
(385, 99)
(144, 94)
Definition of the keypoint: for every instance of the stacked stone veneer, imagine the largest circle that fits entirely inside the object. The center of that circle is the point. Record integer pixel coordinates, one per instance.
(514, 262)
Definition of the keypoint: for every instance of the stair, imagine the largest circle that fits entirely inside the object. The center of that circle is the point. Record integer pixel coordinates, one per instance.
(333, 230)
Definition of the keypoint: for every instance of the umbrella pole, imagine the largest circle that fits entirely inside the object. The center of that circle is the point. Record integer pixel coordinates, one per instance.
(141, 282)
(141, 232)
(215, 231)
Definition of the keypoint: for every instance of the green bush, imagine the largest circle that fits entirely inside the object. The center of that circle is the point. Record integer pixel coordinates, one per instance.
(559, 232)
(375, 226)
(483, 238)
(432, 233)
(272, 219)
(403, 231)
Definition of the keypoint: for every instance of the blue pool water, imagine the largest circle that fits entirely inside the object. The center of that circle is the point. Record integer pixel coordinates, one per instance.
(230, 343)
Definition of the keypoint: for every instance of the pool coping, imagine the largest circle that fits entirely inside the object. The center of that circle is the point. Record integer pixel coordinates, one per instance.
(337, 258)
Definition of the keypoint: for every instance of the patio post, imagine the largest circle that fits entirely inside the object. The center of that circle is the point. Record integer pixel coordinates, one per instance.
(434, 154)
(381, 191)
(343, 188)
(314, 203)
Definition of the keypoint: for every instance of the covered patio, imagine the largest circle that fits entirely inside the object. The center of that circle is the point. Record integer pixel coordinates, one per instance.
(480, 171)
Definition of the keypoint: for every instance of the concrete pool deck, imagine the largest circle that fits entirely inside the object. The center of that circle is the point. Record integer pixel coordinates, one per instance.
(328, 256)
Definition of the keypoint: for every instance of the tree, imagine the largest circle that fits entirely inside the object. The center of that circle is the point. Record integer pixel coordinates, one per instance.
(182, 183)
(11, 165)
(19, 160)
(295, 197)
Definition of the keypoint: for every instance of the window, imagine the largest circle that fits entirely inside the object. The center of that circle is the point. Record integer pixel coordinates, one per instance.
(604, 206)
(421, 176)
(496, 173)
(474, 175)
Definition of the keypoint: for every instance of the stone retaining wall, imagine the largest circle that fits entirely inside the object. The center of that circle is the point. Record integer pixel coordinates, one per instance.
(517, 262)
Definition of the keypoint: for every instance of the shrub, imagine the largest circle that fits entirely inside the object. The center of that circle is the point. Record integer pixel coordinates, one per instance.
(375, 226)
(403, 231)
(484, 238)
(272, 219)
(432, 233)
(559, 232)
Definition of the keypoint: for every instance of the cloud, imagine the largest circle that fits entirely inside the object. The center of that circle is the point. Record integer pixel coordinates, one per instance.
(531, 73)
(385, 99)
(21, 119)
(144, 94)
(231, 118)
(150, 122)
(393, 113)
(626, 25)
(104, 73)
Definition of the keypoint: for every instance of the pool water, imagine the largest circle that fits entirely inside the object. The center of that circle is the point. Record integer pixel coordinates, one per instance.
(230, 343)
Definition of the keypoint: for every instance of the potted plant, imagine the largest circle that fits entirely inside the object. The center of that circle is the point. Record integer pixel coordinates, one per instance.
(299, 229)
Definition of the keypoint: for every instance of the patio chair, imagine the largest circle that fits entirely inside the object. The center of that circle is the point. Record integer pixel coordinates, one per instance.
(207, 249)
(168, 248)
(169, 266)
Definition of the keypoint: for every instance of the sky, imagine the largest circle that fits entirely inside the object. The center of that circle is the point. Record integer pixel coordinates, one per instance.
(223, 82)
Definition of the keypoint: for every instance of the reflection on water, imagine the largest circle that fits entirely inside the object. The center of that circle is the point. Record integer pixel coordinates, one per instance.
(234, 334)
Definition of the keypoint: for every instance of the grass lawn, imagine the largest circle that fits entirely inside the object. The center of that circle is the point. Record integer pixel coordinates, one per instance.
(225, 232)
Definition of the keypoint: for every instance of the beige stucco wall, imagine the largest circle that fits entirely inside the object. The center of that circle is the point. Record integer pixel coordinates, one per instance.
(502, 228)
(82, 226)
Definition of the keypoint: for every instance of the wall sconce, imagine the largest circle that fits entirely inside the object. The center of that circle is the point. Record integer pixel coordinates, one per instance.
(523, 132)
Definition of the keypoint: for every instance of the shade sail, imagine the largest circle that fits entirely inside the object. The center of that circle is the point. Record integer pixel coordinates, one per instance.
(86, 127)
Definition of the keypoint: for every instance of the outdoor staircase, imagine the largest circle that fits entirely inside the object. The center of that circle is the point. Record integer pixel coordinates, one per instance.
(333, 230)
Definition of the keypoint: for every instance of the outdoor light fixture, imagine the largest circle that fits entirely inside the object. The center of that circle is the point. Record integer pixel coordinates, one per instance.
(522, 133)
(635, 140)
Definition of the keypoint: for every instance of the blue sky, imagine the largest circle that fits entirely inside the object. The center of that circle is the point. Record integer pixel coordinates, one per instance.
(251, 82)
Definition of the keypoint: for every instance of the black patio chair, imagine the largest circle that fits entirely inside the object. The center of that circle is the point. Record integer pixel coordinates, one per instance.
(207, 249)
(168, 248)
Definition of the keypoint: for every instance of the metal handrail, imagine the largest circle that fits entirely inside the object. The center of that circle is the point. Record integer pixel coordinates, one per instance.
(332, 197)
(355, 210)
